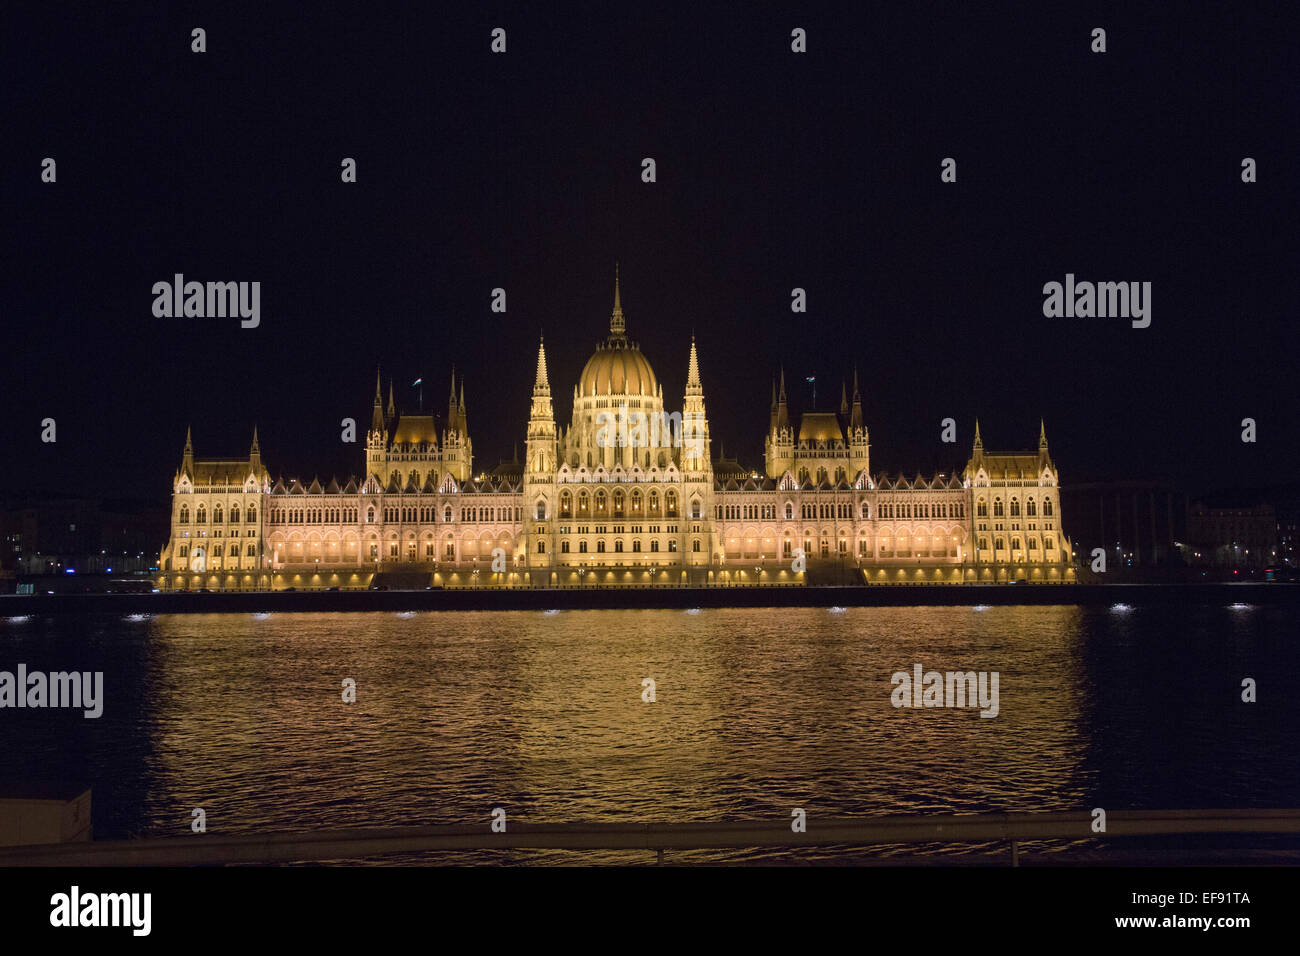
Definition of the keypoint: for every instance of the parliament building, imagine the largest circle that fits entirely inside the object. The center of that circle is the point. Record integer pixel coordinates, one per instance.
(626, 495)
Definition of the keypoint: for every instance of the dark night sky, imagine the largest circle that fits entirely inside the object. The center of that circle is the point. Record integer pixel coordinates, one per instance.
(774, 170)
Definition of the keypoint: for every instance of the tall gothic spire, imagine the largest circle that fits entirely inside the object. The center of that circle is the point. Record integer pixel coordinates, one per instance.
(693, 370)
(542, 383)
(855, 419)
(392, 409)
(617, 324)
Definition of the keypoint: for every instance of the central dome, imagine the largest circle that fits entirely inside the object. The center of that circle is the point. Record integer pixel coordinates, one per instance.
(617, 369)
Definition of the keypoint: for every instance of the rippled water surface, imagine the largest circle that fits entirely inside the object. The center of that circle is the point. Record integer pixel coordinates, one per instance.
(757, 711)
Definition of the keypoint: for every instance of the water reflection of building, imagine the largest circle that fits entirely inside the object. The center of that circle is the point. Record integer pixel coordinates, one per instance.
(627, 493)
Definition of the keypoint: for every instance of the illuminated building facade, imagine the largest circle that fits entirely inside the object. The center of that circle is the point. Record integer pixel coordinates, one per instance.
(628, 494)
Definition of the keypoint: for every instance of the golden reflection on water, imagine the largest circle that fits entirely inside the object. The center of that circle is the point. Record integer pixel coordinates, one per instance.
(757, 711)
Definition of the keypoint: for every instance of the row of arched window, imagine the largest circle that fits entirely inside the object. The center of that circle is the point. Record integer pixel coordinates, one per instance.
(218, 517)
(618, 505)
(999, 510)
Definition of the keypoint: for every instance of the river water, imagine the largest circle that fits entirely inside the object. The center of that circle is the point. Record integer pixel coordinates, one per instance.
(756, 712)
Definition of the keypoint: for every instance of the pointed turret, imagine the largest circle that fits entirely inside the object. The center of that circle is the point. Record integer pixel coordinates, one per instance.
(1042, 435)
(542, 383)
(977, 452)
(693, 372)
(453, 420)
(255, 453)
(377, 415)
(187, 456)
(541, 452)
(782, 409)
(695, 422)
(855, 417)
(392, 409)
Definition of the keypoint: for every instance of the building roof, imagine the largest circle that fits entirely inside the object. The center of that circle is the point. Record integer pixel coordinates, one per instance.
(820, 426)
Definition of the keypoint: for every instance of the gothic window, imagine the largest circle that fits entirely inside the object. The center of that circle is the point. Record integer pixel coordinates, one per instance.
(998, 510)
(670, 501)
(695, 545)
(1031, 509)
(695, 510)
(654, 545)
(541, 546)
(618, 502)
(582, 547)
(600, 500)
(672, 545)
(1048, 543)
(583, 503)
(654, 502)
(370, 515)
(999, 544)
(618, 546)
(249, 550)
(1047, 507)
(600, 547)
(446, 514)
(1015, 507)
(541, 511)
(202, 515)
(566, 505)
(185, 514)
(866, 511)
(636, 501)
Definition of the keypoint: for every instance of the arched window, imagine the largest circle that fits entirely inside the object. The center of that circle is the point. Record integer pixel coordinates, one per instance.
(618, 546)
(1015, 507)
(999, 544)
(998, 510)
(446, 514)
(541, 546)
(695, 545)
(370, 515)
(216, 514)
(1048, 543)
(1031, 509)
(566, 505)
(982, 508)
(202, 515)
(654, 502)
(1047, 507)
(636, 501)
(584, 504)
(250, 516)
(866, 511)
(789, 511)
(564, 547)
(670, 500)
(234, 514)
(600, 500)
(251, 551)
(541, 510)
(695, 509)
(618, 502)
(185, 515)
(600, 547)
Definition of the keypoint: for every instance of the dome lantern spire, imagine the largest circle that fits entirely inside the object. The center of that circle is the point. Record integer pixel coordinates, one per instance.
(617, 324)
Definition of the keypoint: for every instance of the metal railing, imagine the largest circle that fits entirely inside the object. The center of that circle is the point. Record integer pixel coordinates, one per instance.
(1009, 828)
